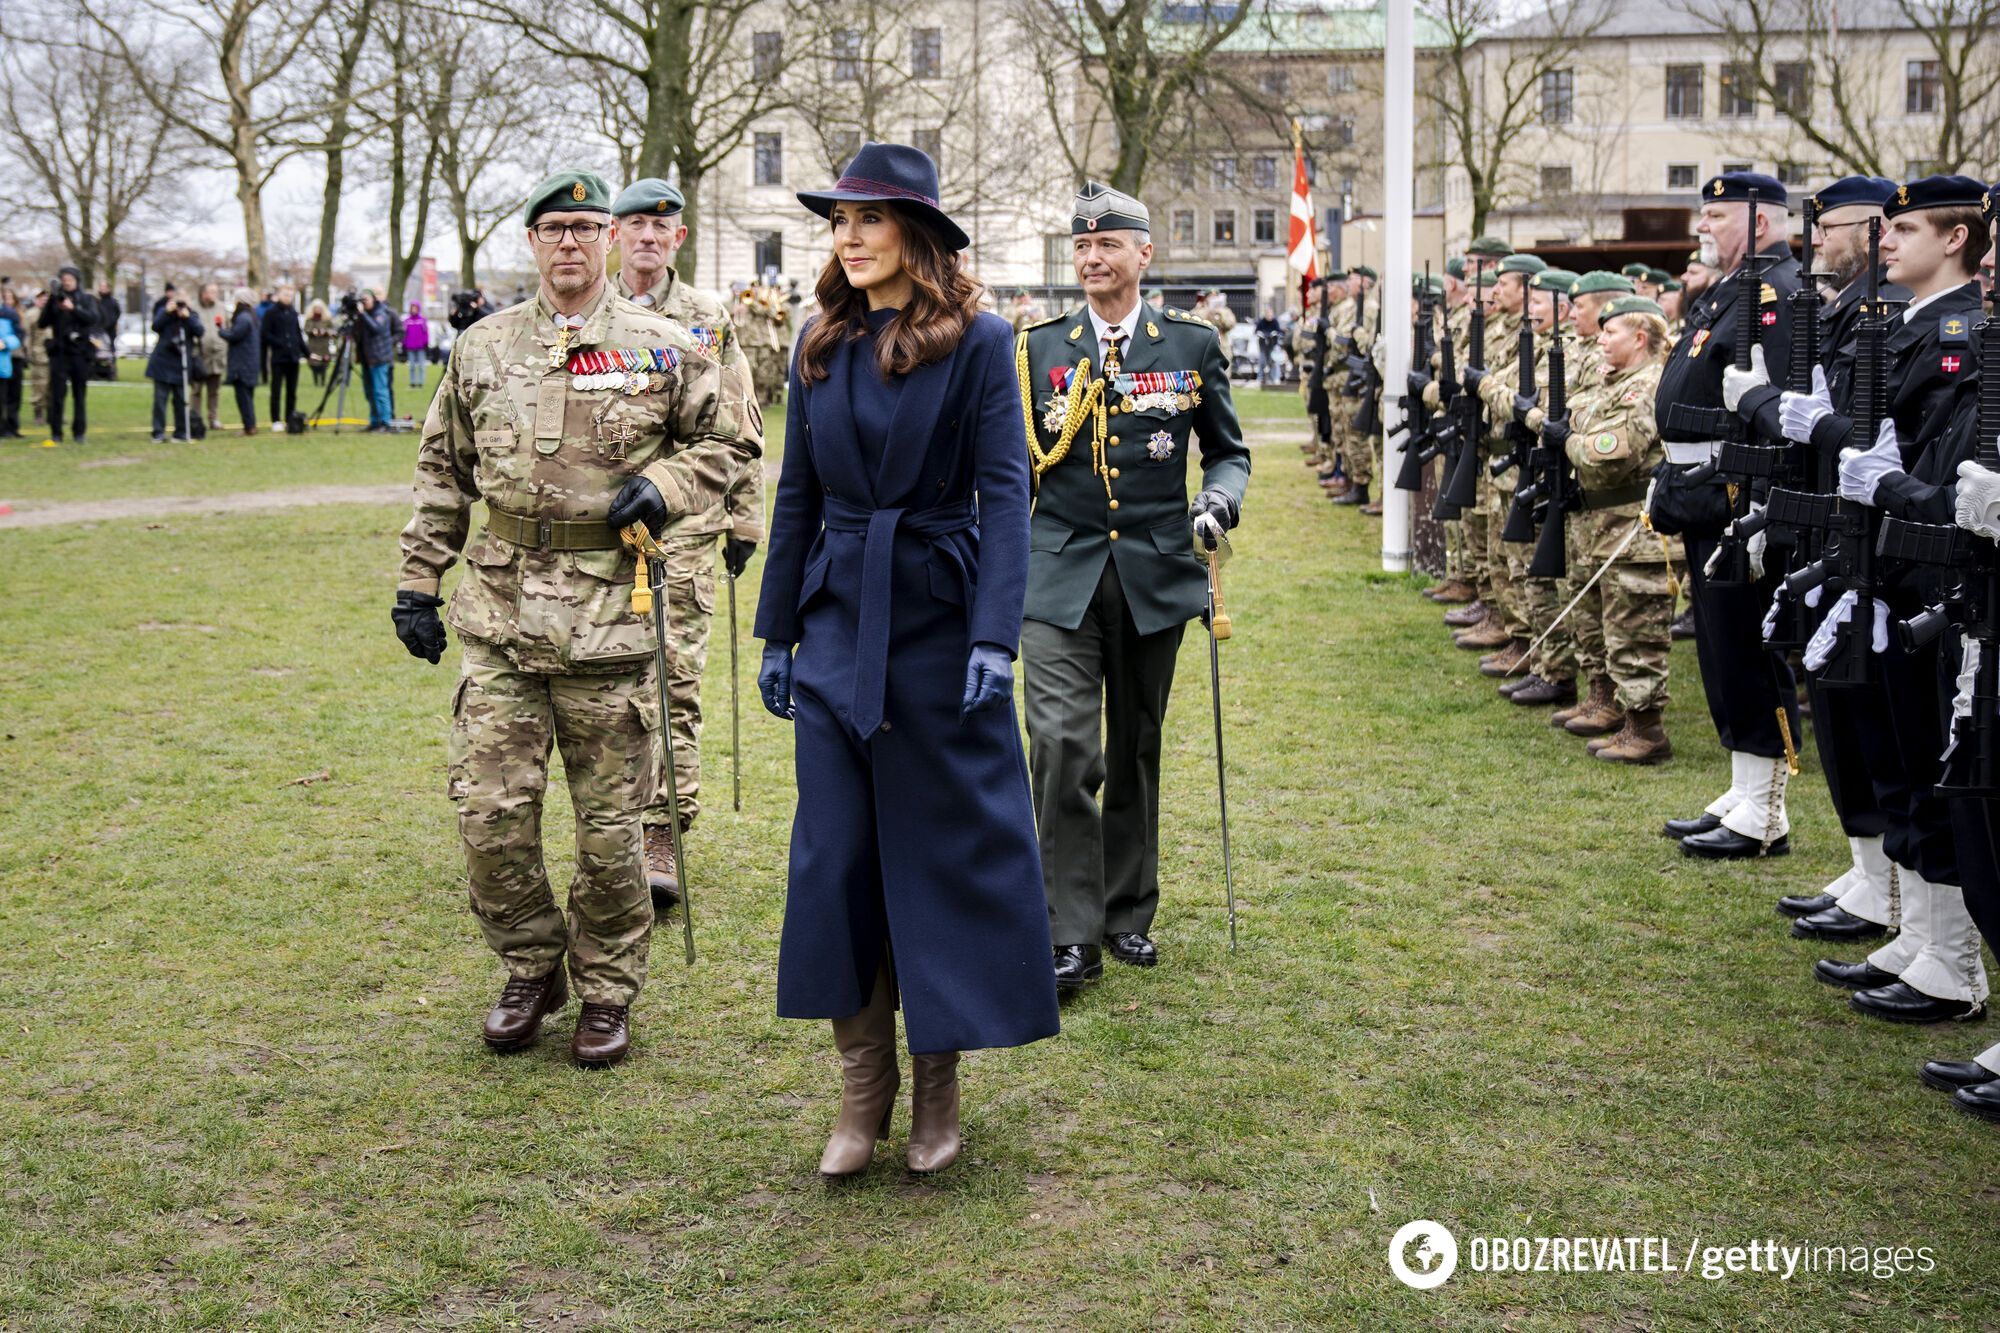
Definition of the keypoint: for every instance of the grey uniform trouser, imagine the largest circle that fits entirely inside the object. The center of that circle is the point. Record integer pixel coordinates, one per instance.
(1101, 864)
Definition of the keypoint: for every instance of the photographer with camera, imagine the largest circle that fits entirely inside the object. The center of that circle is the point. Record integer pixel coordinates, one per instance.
(467, 309)
(174, 363)
(68, 321)
(284, 348)
(375, 347)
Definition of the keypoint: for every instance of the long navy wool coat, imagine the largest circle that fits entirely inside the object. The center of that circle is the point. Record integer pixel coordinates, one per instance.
(918, 832)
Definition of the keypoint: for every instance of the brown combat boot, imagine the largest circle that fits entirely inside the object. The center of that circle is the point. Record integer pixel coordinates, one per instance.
(869, 1079)
(1597, 711)
(603, 1035)
(934, 1140)
(516, 1017)
(1452, 592)
(663, 877)
(1465, 617)
(1507, 661)
(1488, 633)
(1643, 741)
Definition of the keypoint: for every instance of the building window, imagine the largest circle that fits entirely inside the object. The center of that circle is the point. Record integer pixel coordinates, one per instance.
(1736, 90)
(1558, 96)
(1920, 87)
(1183, 232)
(768, 156)
(930, 141)
(1276, 82)
(1264, 172)
(1681, 175)
(1728, 167)
(1684, 92)
(1224, 230)
(843, 145)
(1057, 266)
(767, 54)
(1264, 226)
(847, 56)
(1791, 87)
(1794, 173)
(1183, 174)
(1222, 173)
(1347, 131)
(926, 53)
(1555, 181)
(1340, 79)
(1312, 171)
(769, 247)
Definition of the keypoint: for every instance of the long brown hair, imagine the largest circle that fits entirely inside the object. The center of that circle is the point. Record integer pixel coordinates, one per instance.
(944, 299)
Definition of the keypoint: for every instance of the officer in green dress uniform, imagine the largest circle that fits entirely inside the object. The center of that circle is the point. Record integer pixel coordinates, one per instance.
(1112, 391)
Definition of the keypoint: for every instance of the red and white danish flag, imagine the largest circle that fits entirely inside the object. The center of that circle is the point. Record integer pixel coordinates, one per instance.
(1302, 246)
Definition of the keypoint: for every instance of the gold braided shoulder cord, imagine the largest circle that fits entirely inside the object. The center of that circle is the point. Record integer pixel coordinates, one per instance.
(1084, 403)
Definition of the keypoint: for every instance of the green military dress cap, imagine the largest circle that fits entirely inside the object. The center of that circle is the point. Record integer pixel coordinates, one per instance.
(1672, 285)
(651, 195)
(1490, 247)
(1597, 280)
(1364, 271)
(1454, 267)
(1523, 263)
(1632, 305)
(1098, 207)
(1635, 270)
(1656, 276)
(1553, 280)
(568, 192)
(1420, 282)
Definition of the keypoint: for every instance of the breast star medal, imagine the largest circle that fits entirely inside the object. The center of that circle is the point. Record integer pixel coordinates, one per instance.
(1160, 446)
(1053, 412)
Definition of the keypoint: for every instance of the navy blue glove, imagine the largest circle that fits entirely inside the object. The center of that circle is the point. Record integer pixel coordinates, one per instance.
(1472, 376)
(989, 679)
(1523, 404)
(774, 681)
(418, 625)
(638, 501)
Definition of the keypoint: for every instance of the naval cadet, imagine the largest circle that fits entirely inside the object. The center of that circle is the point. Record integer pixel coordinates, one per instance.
(1114, 392)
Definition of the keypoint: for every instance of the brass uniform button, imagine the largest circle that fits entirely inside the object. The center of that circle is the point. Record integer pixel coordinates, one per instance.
(1114, 504)
(1114, 474)
(1114, 534)
(1112, 442)
(1115, 409)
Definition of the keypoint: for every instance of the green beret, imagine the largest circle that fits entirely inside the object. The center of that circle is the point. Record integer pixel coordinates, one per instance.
(651, 195)
(1635, 270)
(1656, 276)
(1672, 285)
(1338, 275)
(1433, 282)
(1599, 281)
(1365, 272)
(1522, 263)
(1491, 247)
(1553, 280)
(1483, 276)
(1454, 267)
(1694, 259)
(1631, 305)
(567, 192)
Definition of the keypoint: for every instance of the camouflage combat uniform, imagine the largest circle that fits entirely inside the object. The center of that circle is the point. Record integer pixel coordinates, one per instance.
(763, 323)
(1362, 454)
(552, 651)
(35, 351)
(690, 541)
(1503, 597)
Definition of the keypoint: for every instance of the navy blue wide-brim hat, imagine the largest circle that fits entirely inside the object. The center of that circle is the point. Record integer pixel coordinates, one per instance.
(1936, 192)
(1735, 187)
(895, 172)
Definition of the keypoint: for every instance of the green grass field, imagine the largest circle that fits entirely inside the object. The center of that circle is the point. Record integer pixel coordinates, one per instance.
(244, 1087)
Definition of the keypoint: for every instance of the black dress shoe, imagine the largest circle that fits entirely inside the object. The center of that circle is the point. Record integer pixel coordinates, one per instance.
(1726, 844)
(1981, 1099)
(1836, 923)
(1687, 828)
(1863, 975)
(1077, 965)
(1900, 1002)
(1951, 1075)
(1132, 948)
(1800, 904)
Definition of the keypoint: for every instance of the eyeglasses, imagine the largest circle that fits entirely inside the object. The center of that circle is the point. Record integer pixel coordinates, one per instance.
(1836, 226)
(551, 233)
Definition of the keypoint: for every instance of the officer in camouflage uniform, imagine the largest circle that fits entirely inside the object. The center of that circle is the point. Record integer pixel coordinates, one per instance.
(571, 415)
(1480, 616)
(1339, 338)
(763, 323)
(1505, 627)
(35, 351)
(650, 233)
(1358, 453)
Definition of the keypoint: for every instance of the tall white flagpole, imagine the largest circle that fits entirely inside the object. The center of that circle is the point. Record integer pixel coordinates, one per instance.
(1399, 87)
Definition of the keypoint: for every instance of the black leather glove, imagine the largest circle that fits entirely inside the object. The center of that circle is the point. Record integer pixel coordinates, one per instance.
(736, 554)
(1472, 376)
(1555, 434)
(1418, 383)
(638, 501)
(418, 625)
(1523, 404)
(1216, 506)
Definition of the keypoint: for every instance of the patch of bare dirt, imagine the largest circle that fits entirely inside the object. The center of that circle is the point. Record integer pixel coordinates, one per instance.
(37, 514)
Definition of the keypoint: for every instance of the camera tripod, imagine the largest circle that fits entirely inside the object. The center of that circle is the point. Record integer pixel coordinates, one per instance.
(337, 375)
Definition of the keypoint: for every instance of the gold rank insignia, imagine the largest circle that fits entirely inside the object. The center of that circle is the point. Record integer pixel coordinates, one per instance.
(1076, 333)
(576, 192)
(1770, 295)
(1152, 329)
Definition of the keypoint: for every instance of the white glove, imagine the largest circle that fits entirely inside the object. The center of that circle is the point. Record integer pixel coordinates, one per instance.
(1714, 561)
(1771, 616)
(1968, 671)
(1798, 413)
(1208, 530)
(1646, 506)
(1979, 500)
(1754, 548)
(1820, 647)
(1862, 470)
(1812, 595)
(1736, 383)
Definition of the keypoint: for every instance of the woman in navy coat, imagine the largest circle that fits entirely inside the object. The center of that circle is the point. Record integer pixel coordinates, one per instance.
(891, 612)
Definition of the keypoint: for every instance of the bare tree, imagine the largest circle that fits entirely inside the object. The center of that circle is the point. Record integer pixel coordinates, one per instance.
(422, 58)
(1488, 84)
(488, 144)
(90, 158)
(258, 112)
(1822, 66)
(680, 77)
(340, 64)
(1144, 62)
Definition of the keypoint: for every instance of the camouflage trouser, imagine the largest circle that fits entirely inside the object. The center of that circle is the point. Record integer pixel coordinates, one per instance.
(1540, 600)
(1354, 445)
(504, 721)
(1472, 523)
(1502, 561)
(767, 368)
(690, 607)
(38, 391)
(1638, 613)
(1586, 620)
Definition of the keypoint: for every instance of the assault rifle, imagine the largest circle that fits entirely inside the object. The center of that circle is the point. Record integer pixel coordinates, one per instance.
(1520, 521)
(1319, 399)
(1555, 480)
(1419, 421)
(1368, 416)
(1795, 515)
(1461, 488)
(1738, 456)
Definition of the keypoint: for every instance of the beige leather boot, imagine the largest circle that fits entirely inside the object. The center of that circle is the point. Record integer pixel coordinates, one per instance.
(869, 1079)
(933, 1112)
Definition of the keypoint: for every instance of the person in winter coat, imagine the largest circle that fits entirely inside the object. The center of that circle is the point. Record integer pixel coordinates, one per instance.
(320, 332)
(108, 314)
(10, 384)
(67, 321)
(175, 359)
(245, 352)
(213, 314)
(375, 346)
(416, 344)
(284, 348)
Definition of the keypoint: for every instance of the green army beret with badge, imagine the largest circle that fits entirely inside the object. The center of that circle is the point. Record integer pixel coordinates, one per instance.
(1454, 267)
(1523, 263)
(1632, 305)
(1553, 280)
(1490, 247)
(1672, 285)
(1433, 282)
(1635, 270)
(651, 195)
(567, 192)
(1365, 272)
(1597, 280)
(1656, 276)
